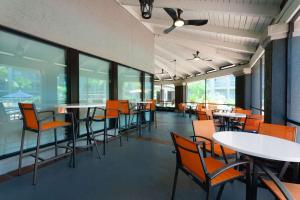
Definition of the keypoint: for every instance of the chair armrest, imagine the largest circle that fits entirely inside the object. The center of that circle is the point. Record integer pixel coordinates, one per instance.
(277, 182)
(226, 167)
(199, 136)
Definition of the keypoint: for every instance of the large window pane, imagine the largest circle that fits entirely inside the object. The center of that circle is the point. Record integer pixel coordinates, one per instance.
(293, 92)
(221, 90)
(93, 84)
(168, 95)
(148, 86)
(196, 91)
(129, 84)
(157, 90)
(93, 80)
(30, 71)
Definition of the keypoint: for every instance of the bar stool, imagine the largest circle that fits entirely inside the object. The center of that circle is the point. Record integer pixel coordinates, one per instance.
(32, 122)
(110, 112)
(152, 108)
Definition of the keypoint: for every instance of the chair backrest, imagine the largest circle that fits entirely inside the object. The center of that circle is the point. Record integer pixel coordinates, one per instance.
(280, 131)
(256, 116)
(205, 128)
(29, 115)
(202, 115)
(188, 155)
(112, 108)
(252, 124)
(181, 107)
(151, 105)
(124, 106)
(199, 106)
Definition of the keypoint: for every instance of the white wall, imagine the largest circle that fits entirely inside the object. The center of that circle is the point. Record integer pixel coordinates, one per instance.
(99, 27)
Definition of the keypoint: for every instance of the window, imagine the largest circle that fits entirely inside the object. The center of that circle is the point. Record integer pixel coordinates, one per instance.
(129, 84)
(93, 80)
(196, 91)
(157, 90)
(168, 95)
(30, 71)
(221, 90)
(257, 86)
(293, 92)
(93, 85)
(148, 86)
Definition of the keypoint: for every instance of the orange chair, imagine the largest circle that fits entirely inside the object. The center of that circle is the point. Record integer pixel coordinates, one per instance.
(182, 108)
(281, 190)
(203, 131)
(251, 124)
(32, 122)
(151, 106)
(280, 131)
(202, 115)
(111, 112)
(207, 172)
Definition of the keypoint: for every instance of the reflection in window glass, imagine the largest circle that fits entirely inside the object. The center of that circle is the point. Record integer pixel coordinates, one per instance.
(129, 84)
(33, 72)
(196, 91)
(157, 90)
(168, 95)
(148, 87)
(221, 90)
(93, 85)
(93, 80)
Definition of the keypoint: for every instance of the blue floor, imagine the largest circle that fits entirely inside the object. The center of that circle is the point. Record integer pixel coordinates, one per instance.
(142, 168)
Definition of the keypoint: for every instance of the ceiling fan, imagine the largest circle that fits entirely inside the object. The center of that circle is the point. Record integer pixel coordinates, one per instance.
(178, 21)
(197, 57)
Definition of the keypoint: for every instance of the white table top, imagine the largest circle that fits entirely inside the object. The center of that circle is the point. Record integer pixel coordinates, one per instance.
(143, 102)
(80, 105)
(230, 115)
(259, 145)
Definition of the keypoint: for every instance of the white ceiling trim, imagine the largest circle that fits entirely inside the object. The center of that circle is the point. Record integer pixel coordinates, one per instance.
(208, 28)
(183, 37)
(233, 7)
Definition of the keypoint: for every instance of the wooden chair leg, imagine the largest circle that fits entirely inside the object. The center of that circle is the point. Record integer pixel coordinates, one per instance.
(21, 151)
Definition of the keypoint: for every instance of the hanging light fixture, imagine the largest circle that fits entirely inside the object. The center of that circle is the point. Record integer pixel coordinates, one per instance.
(146, 8)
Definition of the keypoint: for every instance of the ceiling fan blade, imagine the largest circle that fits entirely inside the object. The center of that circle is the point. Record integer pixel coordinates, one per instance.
(190, 59)
(168, 30)
(195, 22)
(172, 13)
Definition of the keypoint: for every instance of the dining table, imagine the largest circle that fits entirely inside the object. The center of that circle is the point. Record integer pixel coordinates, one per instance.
(74, 107)
(226, 116)
(258, 146)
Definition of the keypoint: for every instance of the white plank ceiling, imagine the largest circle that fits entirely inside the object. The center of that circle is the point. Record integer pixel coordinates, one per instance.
(232, 35)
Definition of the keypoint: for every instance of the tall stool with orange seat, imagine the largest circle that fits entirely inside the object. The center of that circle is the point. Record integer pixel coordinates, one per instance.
(111, 112)
(151, 107)
(32, 122)
(206, 172)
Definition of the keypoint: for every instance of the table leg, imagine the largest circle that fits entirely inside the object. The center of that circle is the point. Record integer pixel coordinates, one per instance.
(251, 192)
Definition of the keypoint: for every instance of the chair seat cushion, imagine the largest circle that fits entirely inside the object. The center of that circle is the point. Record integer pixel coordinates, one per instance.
(294, 189)
(212, 166)
(54, 124)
